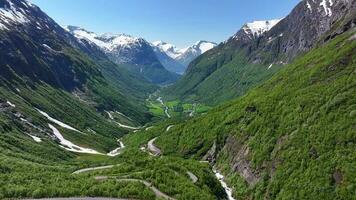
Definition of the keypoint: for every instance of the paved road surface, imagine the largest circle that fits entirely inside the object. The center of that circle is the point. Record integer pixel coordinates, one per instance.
(157, 192)
(92, 169)
(192, 177)
(152, 148)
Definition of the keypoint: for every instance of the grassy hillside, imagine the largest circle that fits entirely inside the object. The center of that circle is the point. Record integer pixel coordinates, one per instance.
(39, 170)
(244, 61)
(220, 75)
(291, 138)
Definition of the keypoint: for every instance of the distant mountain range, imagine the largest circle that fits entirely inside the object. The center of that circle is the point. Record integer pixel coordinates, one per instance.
(134, 53)
(126, 49)
(181, 57)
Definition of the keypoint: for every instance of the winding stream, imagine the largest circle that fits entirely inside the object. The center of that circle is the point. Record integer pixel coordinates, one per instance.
(227, 189)
(165, 107)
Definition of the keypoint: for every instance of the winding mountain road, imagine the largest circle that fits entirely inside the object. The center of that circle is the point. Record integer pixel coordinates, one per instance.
(169, 128)
(152, 148)
(192, 177)
(93, 169)
(157, 192)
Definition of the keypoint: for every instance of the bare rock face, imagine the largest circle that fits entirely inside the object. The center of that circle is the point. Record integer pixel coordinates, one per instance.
(306, 25)
(263, 47)
(240, 163)
(301, 30)
(34, 45)
(210, 156)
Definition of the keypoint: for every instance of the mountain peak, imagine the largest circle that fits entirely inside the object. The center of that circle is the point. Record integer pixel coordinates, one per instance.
(204, 45)
(106, 41)
(170, 49)
(257, 28)
(113, 36)
(71, 28)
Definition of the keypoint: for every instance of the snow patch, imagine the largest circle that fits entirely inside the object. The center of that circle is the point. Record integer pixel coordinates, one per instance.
(68, 145)
(13, 14)
(89, 36)
(205, 46)
(36, 139)
(327, 9)
(11, 104)
(59, 123)
(107, 41)
(309, 6)
(110, 115)
(117, 151)
(171, 50)
(257, 28)
(175, 53)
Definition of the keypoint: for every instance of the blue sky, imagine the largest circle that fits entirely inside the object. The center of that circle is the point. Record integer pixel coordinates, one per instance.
(181, 22)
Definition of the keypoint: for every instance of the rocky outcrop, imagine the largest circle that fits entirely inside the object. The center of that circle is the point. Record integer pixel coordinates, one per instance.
(210, 156)
(258, 50)
(309, 23)
(239, 162)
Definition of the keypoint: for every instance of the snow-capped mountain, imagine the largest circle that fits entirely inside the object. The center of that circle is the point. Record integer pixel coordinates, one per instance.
(171, 50)
(257, 28)
(166, 54)
(136, 53)
(121, 48)
(253, 30)
(268, 43)
(12, 15)
(184, 56)
(189, 54)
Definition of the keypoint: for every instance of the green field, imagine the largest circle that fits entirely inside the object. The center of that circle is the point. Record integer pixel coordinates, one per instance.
(175, 108)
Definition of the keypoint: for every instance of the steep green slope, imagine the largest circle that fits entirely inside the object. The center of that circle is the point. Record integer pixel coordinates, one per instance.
(291, 138)
(38, 51)
(154, 73)
(220, 75)
(40, 170)
(246, 60)
(132, 85)
(135, 54)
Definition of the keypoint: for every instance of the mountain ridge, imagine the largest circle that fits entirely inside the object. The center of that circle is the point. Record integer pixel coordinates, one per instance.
(182, 57)
(133, 52)
(242, 62)
(270, 141)
(79, 121)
